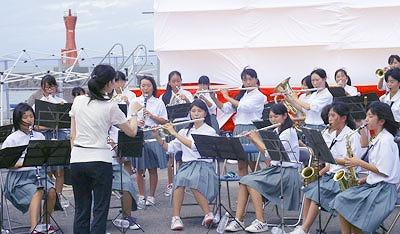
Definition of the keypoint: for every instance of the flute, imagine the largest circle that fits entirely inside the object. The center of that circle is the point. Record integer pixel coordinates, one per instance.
(245, 133)
(218, 90)
(174, 124)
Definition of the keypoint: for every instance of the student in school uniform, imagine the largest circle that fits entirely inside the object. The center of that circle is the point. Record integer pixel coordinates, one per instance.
(393, 62)
(22, 186)
(248, 106)
(313, 106)
(204, 84)
(174, 95)
(153, 157)
(343, 80)
(266, 183)
(128, 198)
(392, 97)
(363, 208)
(195, 173)
(92, 116)
(340, 125)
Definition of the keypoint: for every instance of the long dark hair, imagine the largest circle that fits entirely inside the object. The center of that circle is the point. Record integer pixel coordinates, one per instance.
(345, 73)
(392, 58)
(280, 109)
(250, 72)
(383, 111)
(168, 92)
(307, 80)
(101, 75)
(394, 73)
(342, 109)
(18, 112)
(321, 73)
(200, 104)
(49, 80)
(153, 83)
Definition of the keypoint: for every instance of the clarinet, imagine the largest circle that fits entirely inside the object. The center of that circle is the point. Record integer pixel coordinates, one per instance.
(37, 168)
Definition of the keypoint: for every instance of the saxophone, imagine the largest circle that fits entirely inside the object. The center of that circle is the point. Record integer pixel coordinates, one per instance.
(348, 179)
(310, 173)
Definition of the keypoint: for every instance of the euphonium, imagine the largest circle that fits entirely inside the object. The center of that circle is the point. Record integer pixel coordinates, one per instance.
(347, 179)
(380, 73)
(284, 88)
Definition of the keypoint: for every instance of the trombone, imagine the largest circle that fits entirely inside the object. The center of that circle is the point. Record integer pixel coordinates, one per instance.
(245, 133)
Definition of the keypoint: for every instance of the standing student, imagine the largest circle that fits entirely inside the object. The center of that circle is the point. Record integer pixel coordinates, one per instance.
(195, 173)
(128, 199)
(340, 125)
(22, 186)
(363, 208)
(266, 183)
(153, 157)
(49, 88)
(393, 62)
(204, 84)
(313, 106)
(392, 97)
(91, 158)
(174, 95)
(344, 81)
(248, 105)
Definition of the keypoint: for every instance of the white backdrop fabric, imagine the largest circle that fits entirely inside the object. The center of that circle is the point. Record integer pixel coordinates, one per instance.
(277, 38)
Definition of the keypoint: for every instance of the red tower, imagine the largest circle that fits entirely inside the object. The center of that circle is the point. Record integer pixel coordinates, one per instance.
(69, 54)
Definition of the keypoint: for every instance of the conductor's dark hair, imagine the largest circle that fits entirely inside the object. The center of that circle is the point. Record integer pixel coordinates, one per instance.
(102, 74)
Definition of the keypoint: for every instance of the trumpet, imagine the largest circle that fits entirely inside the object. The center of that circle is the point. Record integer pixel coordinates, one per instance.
(257, 130)
(380, 73)
(174, 124)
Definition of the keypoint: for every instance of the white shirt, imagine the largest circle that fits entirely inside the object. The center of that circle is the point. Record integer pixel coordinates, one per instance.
(92, 122)
(113, 134)
(351, 90)
(291, 144)
(339, 150)
(304, 98)
(53, 99)
(175, 100)
(250, 107)
(19, 138)
(155, 106)
(213, 108)
(395, 106)
(131, 99)
(384, 155)
(190, 154)
(317, 101)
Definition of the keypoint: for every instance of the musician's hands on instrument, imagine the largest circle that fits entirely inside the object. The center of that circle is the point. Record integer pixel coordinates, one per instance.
(362, 181)
(141, 123)
(183, 97)
(224, 92)
(170, 128)
(147, 113)
(351, 162)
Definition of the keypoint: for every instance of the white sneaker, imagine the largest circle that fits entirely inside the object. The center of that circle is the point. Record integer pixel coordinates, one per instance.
(299, 230)
(257, 226)
(176, 223)
(208, 219)
(150, 201)
(234, 226)
(141, 203)
(168, 190)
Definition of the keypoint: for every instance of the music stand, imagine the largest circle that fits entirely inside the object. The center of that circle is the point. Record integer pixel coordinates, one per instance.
(8, 158)
(337, 91)
(277, 152)
(128, 147)
(322, 153)
(358, 104)
(47, 153)
(178, 111)
(51, 115)
(5, 131)
(216, 147)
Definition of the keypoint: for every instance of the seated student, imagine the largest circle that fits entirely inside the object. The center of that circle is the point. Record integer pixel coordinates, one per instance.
(22, 186)
(340, 125)
(195, 173)
(266, 182)
(128, 200)
(344, 81)
(393, 62)
(392, 97)
(363, 208)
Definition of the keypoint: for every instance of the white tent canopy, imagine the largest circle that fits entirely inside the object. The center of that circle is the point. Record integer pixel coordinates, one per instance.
(277, 38)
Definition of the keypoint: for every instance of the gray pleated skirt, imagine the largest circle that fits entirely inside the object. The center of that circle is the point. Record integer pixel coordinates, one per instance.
(153, 155)
(20, 186)
(328, 187)
(240, 128)
(128, 184)
(267, 183)
(366, 206)
(198, 175)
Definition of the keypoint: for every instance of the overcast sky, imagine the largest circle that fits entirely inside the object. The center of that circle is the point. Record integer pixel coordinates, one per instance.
(38, 24)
